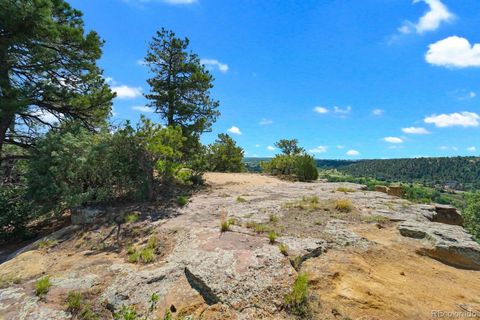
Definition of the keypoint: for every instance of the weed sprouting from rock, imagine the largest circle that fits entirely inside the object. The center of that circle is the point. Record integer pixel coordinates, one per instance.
(42, 286)
(296, 301)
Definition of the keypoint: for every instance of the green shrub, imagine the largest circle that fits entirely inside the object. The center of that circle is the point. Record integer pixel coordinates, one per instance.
(306, 168)
(47, 243)
(126, 313)
(225, 156)
(273, 218)
(42, 286)
(134, 257)
(131, 217)
(147, 255)
(74, 302)
(272, 236)
(182, 200)
(16, 212)
(152, 242)
(224, 225)
(471, 214)
(297, 300)
(283, 249)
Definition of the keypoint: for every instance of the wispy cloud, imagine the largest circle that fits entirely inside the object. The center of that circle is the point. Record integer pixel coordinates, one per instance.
(415, 130)
(472, 149)
(215, 64)
(462, 119)
(393, 140)
(319, 149)
(454, 52)
(235, 130)
(437, 14)
(265, 122)
(378, 112)
(270, 148)
(343, 111)
(144, 109)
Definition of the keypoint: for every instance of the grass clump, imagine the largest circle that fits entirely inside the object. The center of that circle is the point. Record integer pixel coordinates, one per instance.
(343, 205)
(296, 301)
(272, 236)
(126, 313)
(134, 257)
(47, 243)
(232, 221)
(283, 249)
(306, 203)
(273, 218)
(147, 255)
(74, 302)
(7, 281)
(131, 217)
(241, 199)
(42, 286)
(182, 201)
(345, 190)
(224, 225)
(375, 219)
(152, 242)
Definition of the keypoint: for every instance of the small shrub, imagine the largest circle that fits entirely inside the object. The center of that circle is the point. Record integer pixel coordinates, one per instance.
(343, 205)
(152, 243)
(86, 313)
(224, 225)
(131, 217)
(296, 262)
(306, 168)
(241, 199)
(272, 236)
(147, 255)
(345, 190)
(260, 228)
(47, 243)
(471, 214)
(42, 286)
(283, 249)
(182, 201)
(232, 221)
(273, 218)
(126, 313)
(74, 302)
(134, 257)
(168, 315)
(297, 300)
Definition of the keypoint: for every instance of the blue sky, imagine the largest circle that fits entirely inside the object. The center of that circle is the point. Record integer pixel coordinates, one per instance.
(349, 79)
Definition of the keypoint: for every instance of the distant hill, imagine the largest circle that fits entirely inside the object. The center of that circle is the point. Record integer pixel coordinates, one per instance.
(460, 173)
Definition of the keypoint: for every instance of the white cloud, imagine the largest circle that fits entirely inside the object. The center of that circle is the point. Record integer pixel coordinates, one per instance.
(454, 52)
(235, 130)
(472, 149)
(340, 147)
(319, 149)
(448, 148)
(320, 110)
(141, 62)
(213, 63)
(126, 92)
(342, 110)
(462, 119)
(393, 140)
(257, 146)
(270, 148)
(265, 122)
(352, 153)
(472, 94)
(378, 112)
(143, 109)
(415, 130)
(437, 14)
(46, 116)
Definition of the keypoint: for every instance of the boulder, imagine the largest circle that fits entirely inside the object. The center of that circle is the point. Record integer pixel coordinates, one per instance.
(447, 214)
(450, 244)
(396, 191)
(383, 189)
(85, 216)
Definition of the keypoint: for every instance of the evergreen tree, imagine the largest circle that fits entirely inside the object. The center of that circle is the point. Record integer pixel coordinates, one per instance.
(48, 70)
(225, 156)
(179, 87)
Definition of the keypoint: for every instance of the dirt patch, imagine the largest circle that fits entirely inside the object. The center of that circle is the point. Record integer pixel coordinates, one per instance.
(389, 281)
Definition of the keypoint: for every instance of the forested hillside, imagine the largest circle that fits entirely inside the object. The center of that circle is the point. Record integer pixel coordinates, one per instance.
(458, 172)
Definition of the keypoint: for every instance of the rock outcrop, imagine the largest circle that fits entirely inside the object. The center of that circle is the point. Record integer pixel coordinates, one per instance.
(447, 243)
